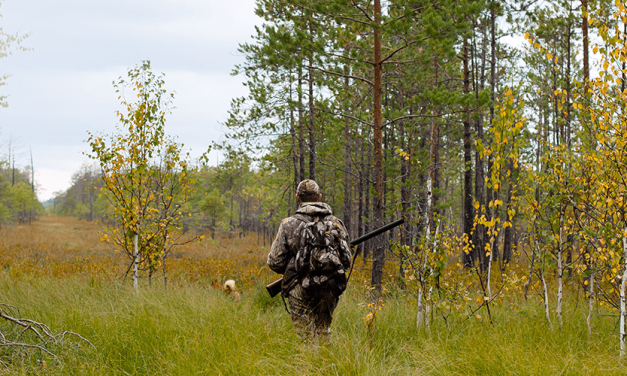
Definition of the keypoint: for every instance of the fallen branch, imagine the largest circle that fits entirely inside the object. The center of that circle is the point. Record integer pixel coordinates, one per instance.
(41, 331)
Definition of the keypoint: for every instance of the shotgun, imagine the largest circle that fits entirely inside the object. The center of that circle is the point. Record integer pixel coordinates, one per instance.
(275, 287)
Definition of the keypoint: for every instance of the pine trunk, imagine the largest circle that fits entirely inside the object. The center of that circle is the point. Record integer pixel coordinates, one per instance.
(294, 143)
(469, 214)
(347, 167)
(312, 124)
(368, 207)
(360, 188)
(490, 192)
(378, 257)
(479, 232)
(584, 32)
(301, 127)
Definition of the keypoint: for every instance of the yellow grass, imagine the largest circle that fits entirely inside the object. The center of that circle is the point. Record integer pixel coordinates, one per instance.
(65, 246)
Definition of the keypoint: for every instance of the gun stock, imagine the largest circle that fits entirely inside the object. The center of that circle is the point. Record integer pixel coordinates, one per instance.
(274, 288)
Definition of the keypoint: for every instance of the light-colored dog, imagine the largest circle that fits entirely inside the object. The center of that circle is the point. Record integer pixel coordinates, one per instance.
(230, 289)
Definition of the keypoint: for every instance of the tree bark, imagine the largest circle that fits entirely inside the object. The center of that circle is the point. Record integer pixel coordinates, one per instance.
(312, 124)
(490, 192)
(301, 126)
(434, 145)
(135, 261)
(534, 251)
(590, 302)
(568, 88)
(546, 297)
(508, 232)
(164, 257)
(368, 205)
(231, 225)
(469, 214)
(378, 258)
(623, 284)
(405, 161)
(584, 31)
(360, 188)
(560, 270)
(347, 167)
(624, 65)
(32, 171)
(479, 233)
(294, 143)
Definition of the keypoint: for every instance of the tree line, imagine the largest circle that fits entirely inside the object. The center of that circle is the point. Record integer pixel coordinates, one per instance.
(18, 198)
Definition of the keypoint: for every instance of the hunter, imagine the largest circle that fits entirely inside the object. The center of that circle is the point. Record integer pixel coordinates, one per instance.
(312, 252)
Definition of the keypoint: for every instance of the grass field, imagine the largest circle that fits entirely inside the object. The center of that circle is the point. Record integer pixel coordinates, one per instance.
(192, 328)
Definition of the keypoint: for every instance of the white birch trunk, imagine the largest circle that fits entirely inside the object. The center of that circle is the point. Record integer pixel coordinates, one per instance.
(623, 282)
(135, 261)
(429, 304)
(419, 315)
(590, 302)
(546, 297)
(489, 289)
(428, 209)
(428, 311)
(560, 271)
(165, 270)
(534, 249)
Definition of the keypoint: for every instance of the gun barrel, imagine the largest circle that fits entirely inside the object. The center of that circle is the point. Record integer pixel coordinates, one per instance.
(378, 231)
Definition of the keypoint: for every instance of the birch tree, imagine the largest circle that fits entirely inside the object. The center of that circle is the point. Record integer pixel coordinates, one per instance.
(144, 175)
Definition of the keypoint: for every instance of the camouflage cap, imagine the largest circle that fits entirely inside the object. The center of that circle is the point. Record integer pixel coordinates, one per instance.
(308, 188)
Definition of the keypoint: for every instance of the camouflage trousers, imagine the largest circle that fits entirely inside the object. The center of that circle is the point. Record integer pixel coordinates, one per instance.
(312, 314)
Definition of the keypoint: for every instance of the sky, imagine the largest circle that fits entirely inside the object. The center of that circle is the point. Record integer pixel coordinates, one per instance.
(63, 87)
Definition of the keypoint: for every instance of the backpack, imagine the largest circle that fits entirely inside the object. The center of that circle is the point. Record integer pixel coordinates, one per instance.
(321, 258)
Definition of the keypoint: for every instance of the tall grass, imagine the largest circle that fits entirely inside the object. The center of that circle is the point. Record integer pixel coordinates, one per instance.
(193, 330)
(57, 272)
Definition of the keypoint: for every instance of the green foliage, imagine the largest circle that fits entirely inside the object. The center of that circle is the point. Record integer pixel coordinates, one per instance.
(18, 202)
(82, 199)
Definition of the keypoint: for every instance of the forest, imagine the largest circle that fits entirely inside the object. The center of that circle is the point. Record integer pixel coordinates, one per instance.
(496, 129)
(18, 199)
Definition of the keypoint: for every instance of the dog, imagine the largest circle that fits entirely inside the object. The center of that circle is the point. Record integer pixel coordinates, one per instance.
(230, 289)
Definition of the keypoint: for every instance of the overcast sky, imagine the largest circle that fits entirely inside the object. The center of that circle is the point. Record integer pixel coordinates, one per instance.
(63, 87)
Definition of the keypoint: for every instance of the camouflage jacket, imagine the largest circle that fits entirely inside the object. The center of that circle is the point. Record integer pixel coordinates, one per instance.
(287, 242)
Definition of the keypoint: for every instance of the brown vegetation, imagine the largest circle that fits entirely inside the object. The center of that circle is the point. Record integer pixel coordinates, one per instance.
(64, 246)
